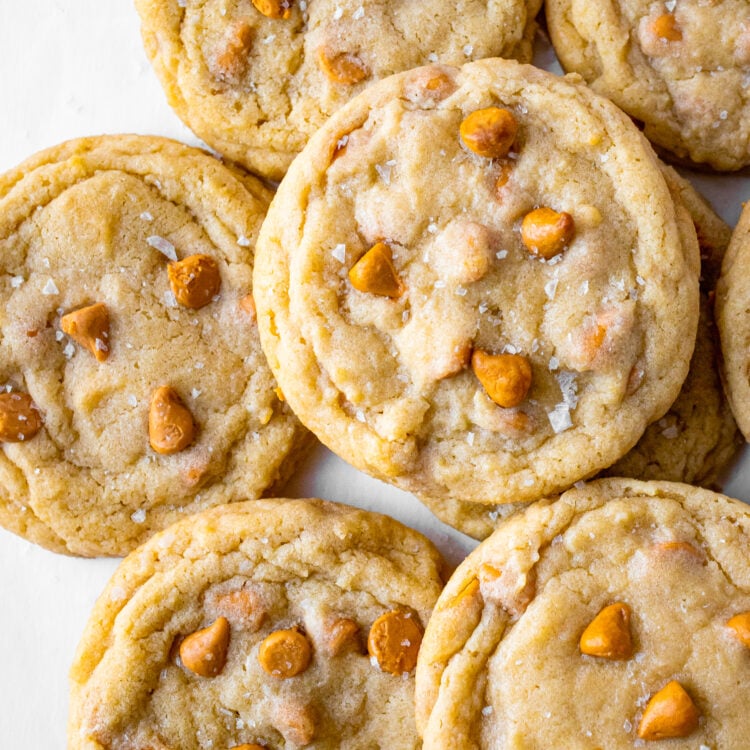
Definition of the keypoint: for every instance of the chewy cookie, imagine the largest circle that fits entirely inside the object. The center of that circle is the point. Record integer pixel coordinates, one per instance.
(476, 285)
(256, 79)
(696, 440)
(134, 389)
(681, 68)
(619, 612)
(272, 624)
(733, 321)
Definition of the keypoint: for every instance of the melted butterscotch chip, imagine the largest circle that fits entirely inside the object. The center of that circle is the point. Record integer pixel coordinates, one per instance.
(195, 280)
(205, 651)
(341, 636)
(285, 653)
(343, 67)
(740, 626)
(19, 418)
(394, 641)
(230, 63)
(273, 8)
(244, 608)
(170, 423)
(374, 273)
(665, 27)
(89, 327)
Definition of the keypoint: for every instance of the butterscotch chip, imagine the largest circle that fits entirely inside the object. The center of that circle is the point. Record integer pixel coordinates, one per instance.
(252, 746)
(302, 63)
(342, 67)
(669, 713)
(682, 79)
(195, 280)
(590, 547)
(394, 641)
(89, 326)
(205, 651)
(247, 305)
(505, 377)
(384, 382)
(300, 677)
(285, 653)
(171, 428)
(546, 233)
(740, 625)
(20, 419)
(374, 273)
(489, 132)
(608, 634)
(154, 200)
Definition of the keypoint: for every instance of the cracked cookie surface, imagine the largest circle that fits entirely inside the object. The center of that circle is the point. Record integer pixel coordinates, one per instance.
(578, 352)
(510, 634)
(305, 589)
(255, 80)
(91, 326)
(681, 68)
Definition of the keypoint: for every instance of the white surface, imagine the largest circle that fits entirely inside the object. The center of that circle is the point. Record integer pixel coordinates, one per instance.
(72, 68)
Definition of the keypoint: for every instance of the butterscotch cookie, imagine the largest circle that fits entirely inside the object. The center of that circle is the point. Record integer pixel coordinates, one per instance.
(133, 385)
(484, 295)
(256, 79)
(279, 624)
(697, 439)
(732, 305)
(681, 68)
(619, 612)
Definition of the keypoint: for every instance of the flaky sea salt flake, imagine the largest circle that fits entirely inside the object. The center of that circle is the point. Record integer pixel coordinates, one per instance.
(338, 13)
(50, 288)
(165, 247)
(69, 350)
(16, 281)
(559, 418)
(243, 241)
(169, 299)
(139, 516)
(359, 13)
(147, 216)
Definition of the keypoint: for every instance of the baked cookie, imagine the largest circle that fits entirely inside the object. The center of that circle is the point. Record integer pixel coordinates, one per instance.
(732, 305)
(619, 612)
(680, 68)
(271, 624)
(697, 439)
(134, 389)
(475, 284)
(255, 79)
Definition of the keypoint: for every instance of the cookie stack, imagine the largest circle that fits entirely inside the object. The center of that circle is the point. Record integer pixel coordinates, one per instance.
(475, 281)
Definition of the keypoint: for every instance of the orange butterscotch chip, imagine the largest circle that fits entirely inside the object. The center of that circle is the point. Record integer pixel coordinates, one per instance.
(665, 27)
(489, 132)
(394, 641)
(170, 424)
(252, 746)
(546, 232)
(341, 636)
(247, 305)
(505, 377)
(679, 548)
(669, 713)
(205, 651)
(374, 273)
(343, 67)
(89, 326)
(195, 280)
(244, 608)
(740, 625)
(608, 634)
(231, 63)
(273, 8)
(19, 418)
(285, 653)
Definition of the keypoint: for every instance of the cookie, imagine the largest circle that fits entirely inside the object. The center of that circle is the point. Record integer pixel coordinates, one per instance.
(614, 616)
(476, 328)
(255, 79)
(279, 624)
(134, 389)
(732, 304)
(681, 69)
(697, 439)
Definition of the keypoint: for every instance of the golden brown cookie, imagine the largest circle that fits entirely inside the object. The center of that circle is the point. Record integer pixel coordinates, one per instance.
(615, 614)
(127, 326)
(697, 439)
(255, 79)
(473, 328)
(284, 624)
(680, 68)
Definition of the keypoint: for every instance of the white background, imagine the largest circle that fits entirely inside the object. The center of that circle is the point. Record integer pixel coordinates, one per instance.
(70, 68)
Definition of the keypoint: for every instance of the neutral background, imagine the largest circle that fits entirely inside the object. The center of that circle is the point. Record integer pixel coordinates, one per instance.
(76, 67)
